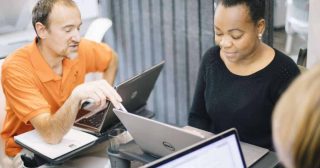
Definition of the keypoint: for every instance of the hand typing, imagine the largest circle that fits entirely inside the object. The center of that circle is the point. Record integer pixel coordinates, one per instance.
(98, 91)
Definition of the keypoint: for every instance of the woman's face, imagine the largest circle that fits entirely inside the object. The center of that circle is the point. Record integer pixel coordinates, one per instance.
(236, 33)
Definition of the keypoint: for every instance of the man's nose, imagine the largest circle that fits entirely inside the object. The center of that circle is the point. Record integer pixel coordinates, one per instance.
(76, 35)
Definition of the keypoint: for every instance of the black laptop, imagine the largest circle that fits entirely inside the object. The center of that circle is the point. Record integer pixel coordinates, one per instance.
(134, 92)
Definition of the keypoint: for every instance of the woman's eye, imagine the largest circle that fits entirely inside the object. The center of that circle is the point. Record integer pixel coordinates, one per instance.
(236, 37)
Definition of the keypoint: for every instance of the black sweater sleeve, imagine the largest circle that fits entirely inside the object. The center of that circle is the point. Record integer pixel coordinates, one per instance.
(287, 72)
(198, 116)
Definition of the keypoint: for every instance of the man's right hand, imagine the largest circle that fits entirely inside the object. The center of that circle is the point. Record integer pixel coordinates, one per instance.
(53, 127)
(98, 92)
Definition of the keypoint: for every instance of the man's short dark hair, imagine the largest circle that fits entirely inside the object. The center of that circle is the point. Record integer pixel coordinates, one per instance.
(41, 11)
(256, 7)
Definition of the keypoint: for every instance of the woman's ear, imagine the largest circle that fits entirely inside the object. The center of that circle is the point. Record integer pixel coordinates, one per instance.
(41, 30)
(261, 25)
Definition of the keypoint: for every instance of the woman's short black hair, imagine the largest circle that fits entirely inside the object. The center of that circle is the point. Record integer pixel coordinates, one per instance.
(256, 7)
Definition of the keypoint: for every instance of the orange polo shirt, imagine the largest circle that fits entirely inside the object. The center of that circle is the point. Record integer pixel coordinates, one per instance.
(31, 87)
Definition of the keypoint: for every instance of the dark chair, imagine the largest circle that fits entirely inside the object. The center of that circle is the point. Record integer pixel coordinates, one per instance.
(302, 59)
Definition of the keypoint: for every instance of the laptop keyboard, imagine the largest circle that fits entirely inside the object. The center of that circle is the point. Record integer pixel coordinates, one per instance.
(93, 121)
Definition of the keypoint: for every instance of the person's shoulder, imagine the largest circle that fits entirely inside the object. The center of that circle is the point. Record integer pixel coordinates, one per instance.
(284, 60)
(211, 54)
(18, 61)
(21, 56)
(87, 46)
(284, 65)
(85, 42)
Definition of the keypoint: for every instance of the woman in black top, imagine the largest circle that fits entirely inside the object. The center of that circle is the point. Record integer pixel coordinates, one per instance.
(241, 79)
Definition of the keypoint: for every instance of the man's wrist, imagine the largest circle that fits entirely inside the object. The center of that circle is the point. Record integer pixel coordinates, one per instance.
(74, 97)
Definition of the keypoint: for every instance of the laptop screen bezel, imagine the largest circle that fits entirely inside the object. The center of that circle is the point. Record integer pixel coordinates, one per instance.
(195, 147)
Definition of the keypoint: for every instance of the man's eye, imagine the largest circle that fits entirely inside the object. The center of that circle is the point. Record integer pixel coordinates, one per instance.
(68, 30)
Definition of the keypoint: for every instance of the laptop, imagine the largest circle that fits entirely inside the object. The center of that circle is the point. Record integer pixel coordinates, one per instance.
(222, 150)
(134, 92)
(154, 139)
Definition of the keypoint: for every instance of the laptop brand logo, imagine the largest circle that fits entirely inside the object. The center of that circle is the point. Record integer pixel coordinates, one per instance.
(168, 146)
(134, 94)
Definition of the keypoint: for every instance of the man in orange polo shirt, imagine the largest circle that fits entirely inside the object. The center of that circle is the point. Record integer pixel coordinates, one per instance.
(43, 81)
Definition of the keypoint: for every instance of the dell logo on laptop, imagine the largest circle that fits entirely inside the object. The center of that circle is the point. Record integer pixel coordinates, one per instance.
(134, 94)
(168, 146)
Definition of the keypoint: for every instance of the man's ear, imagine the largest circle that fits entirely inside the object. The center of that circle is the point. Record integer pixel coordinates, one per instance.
(41, 30)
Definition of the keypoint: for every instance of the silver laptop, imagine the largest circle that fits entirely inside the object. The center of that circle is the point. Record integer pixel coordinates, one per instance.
(134, 92)
(222, 151)
(152, 136)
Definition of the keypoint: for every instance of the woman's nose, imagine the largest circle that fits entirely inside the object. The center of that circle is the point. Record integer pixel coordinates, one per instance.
(225, 42)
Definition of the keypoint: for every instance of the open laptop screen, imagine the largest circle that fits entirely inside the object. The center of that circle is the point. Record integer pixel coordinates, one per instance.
(222, 151)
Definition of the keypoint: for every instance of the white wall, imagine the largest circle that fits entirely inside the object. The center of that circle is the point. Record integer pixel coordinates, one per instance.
(279, 12)
(88, 9)
(314, 34)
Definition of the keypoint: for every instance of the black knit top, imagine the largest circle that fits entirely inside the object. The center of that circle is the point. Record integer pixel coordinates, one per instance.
(223, 100)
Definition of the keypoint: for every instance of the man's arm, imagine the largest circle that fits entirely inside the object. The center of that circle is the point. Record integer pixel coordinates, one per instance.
(110, 73)
(52, 127)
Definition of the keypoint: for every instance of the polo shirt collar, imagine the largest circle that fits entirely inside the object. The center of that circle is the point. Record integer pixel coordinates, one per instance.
(42, 68)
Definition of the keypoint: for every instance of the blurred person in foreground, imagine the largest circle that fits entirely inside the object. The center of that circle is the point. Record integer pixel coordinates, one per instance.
(296, 122)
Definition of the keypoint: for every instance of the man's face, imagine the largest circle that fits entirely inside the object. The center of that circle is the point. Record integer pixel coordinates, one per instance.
(63, 32)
